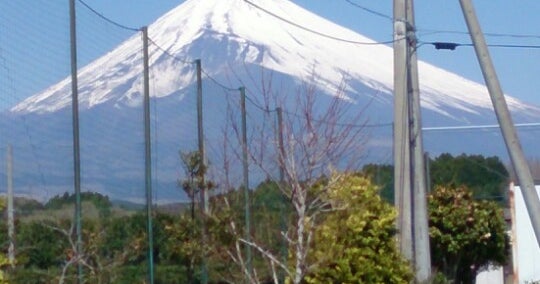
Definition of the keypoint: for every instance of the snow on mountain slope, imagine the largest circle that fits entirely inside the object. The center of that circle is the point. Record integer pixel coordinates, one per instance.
(239, 45)
(225, 34)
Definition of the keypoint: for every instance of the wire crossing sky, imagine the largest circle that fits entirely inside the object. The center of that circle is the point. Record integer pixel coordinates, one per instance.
(511, 29)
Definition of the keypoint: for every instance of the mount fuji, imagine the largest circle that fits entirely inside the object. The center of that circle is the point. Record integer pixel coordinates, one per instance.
(262, 45)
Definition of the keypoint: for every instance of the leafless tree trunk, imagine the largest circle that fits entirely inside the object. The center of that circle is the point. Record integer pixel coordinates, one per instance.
(76, 256)
(321, 135)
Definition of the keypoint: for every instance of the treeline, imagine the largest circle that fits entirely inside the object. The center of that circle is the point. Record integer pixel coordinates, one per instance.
(486, 177)
(351, 240)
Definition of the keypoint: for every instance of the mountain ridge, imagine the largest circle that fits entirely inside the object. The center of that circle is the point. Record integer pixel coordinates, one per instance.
(239, 45)
(266, 41)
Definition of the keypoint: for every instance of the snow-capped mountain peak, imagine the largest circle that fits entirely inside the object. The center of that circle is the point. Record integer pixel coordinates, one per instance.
(240, 43)
(276, 35)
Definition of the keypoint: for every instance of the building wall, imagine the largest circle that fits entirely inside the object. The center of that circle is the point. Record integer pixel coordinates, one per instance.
(525, 246)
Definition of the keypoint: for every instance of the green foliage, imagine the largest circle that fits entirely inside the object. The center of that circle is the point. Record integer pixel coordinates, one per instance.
(383, 177)
(487, 177)
(270, 215)
(34, 276)
(39, 246)
(25, 206)
(466, 234)
(355, 242)
(101, 202)
(195, 170)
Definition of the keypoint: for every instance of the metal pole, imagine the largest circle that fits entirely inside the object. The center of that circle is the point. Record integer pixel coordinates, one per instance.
(283, 213)
(204, 193)
(402, 171)
(10, 211)
(203, 190)
(148, 157)
(246, 177)
(422, 256)
(76, 143)
(508, 130)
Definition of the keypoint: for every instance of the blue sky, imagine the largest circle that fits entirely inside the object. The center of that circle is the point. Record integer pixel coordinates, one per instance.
(518, 68)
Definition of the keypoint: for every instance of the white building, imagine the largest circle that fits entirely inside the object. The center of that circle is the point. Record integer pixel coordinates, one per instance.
(525, 250)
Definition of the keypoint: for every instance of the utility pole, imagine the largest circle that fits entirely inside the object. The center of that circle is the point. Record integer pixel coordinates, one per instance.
(247, 210)
(409, 170)
(148, 157)
(10, 209)
(508, 130)
(76, 143)
(402, 182)
(422, 257)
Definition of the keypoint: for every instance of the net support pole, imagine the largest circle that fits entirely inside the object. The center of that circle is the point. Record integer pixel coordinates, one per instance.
(245, 164)
(76, 143)
(148, 157)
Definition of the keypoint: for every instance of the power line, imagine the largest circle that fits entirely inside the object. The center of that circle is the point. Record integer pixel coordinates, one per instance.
(215, 81)
(432, 32)
(267, 110)
(317, 32)
(170, 54)
(454, 45)
(107, 19)
(470, 127)
(370, 10)
(353, 125)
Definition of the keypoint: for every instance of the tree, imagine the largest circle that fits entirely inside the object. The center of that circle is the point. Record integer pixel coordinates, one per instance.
(315, 140)
(487, 177)
(195, 170)
(467, 235)
(383, 177)
(194, 183)
(355, 241)
(4, 261)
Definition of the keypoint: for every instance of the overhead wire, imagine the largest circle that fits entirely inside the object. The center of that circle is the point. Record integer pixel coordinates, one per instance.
(183, 60)
(108, 19)
(426, 32)
(317, 32)
(488, 34)
(453, 45)
(215, 81)
(371, 11)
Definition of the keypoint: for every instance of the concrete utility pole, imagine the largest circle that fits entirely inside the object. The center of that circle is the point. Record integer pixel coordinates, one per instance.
(508, 130)
(422, 254)
(402, 182)
(409, 171)
(10, 209)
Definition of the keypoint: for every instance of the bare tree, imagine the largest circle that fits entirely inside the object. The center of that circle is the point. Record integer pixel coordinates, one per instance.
(319, 135)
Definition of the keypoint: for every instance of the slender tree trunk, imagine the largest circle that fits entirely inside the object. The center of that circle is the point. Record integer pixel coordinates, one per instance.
(300, 231)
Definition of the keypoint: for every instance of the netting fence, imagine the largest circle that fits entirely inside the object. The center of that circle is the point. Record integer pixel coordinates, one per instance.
(206, 226)
(37, 124)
